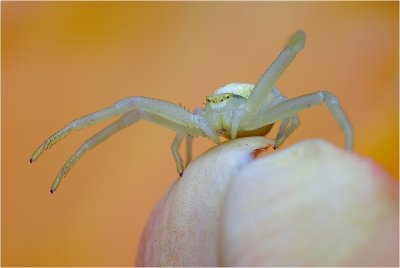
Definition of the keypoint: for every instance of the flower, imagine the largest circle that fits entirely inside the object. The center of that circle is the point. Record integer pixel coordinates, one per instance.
(312, 204)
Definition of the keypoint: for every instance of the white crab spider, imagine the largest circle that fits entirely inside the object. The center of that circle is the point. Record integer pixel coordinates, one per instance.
(234, 110)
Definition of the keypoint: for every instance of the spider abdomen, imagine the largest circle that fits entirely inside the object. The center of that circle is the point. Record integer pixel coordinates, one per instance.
(262, 131)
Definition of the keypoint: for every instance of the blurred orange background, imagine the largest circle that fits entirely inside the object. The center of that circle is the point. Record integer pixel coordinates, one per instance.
(62, 60)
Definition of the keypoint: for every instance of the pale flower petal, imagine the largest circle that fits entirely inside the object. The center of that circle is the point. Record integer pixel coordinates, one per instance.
(312, 204)
(184, 227)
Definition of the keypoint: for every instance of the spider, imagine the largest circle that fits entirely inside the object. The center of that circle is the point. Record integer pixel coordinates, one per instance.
(234, 110)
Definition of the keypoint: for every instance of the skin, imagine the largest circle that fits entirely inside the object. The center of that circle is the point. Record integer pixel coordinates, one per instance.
(234, 110)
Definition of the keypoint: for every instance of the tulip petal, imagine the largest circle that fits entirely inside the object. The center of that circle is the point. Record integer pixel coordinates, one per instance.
(183, 228)
(311, 205)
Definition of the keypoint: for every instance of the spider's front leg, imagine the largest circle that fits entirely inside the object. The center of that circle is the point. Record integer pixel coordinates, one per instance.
(79, 123)
(261, 94)
(126, 120)
(132, 108)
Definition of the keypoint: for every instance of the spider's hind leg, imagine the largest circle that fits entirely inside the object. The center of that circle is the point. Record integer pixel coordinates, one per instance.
(291, 107)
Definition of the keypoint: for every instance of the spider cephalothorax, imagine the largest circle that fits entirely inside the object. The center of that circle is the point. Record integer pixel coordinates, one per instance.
(234, 110)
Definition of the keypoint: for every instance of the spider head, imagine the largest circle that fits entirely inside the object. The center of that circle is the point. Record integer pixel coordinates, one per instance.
(238, 89)
(229, 96)
(215, 99)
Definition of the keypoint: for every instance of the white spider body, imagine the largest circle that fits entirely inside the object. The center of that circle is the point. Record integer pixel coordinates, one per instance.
(221, 106)
(234, 110)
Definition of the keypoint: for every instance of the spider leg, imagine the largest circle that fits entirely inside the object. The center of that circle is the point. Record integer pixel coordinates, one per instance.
(175, 152)
(291, 107)
(126, 119)
(261, 93)
(267, 81)
(288, 125)
(132, 108)
(177, 142)
(285, 130)
(169, 114)
(189, 146)
(189, 140)
(79, 123)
